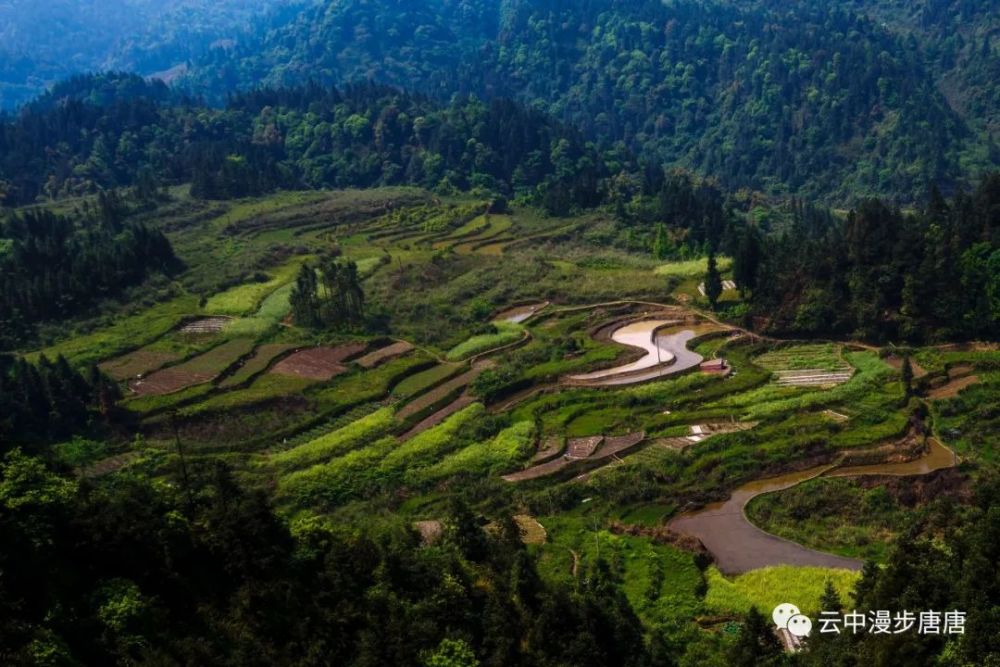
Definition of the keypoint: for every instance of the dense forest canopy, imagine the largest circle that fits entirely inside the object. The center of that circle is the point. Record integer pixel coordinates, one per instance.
(878, 274)
(808, 97)
(54, 267)
(110, 131)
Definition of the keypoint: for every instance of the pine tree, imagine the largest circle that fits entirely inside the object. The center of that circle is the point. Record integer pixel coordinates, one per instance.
(757, 644)
(907, 373)
(661, 244)
(746, 263)
(713, 282)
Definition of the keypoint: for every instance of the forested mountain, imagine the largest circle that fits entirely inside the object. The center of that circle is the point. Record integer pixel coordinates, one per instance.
(43, 41)
(960, 42)
(804, 97)
(108, 131)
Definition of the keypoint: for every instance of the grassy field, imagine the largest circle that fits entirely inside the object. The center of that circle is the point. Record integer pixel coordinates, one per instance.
(694, 268)
(335, 443)
(769, 587)
(126, 332)
(825, 357)
(421, 382)
(506, 333)
(244, 299)
(835, 515)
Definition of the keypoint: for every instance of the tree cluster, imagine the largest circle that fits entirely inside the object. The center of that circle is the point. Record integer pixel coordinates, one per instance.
(53, 266)
(49, 400)
(329, 295)
(108, 131)
(130, 571)
(811, 98)
(881, 274)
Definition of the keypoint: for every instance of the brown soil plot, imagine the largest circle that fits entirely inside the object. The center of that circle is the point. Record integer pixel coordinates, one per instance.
(197, 370)
(318, 363)
(135, 364)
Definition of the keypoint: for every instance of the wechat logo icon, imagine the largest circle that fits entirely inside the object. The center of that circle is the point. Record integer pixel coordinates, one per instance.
(788, 617)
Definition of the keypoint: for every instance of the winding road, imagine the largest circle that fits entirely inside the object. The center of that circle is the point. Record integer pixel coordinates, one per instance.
(739, 546)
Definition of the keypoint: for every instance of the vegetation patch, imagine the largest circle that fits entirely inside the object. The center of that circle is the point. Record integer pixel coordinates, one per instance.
(425, 380)
(244, 299)
(258, 363)
(768, 587)
(336, 443)
(694, 268)
(495, 456)
(504, 333)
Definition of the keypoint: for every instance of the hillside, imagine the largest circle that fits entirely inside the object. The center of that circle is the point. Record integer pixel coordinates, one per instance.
(806, 98)
(44, 42)
(109, 131)
(482, 333)
(354, 412)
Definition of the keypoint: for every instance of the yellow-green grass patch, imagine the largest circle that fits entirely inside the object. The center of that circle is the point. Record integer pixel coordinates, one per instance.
(768, 587)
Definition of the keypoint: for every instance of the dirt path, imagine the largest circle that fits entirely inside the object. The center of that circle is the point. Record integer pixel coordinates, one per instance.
(952, 388)
(739, 546)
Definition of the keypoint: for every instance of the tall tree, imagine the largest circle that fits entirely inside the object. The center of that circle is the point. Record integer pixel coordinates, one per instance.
(713, 282)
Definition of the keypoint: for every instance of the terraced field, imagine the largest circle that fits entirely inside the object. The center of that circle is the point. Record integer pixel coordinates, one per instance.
(496, 364)
(808, 365)
(198, 370)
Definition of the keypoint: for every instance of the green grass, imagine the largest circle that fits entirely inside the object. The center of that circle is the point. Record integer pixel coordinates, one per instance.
(768, 587)
(335, 443)
(970, 421)
(379, 466)
(661, 582)
(361, 387)
(266, 387)
(799, 357)
(507, 332)
(872, 376)
(262, 358)
(341, 479)
(482, 458)
(219, 358)
(127, 332)
(426, 447)
(694, 268)
(244, 299)
(833, 514)
(147, 404)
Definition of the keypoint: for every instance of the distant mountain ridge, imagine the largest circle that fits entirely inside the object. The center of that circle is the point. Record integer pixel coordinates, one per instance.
(827, 101)
(42, 42)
